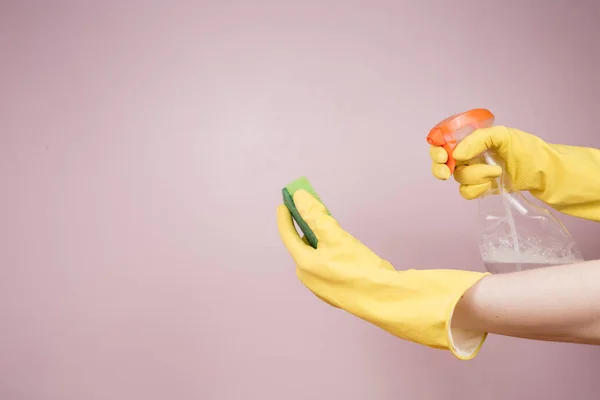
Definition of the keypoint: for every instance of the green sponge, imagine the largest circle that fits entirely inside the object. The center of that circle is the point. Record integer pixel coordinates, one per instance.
(288, 200)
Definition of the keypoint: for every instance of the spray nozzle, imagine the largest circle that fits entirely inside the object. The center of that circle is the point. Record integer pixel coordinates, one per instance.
(451, 131)
(436, 137)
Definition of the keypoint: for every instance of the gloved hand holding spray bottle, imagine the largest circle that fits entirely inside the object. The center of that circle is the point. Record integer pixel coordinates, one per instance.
(514, 234)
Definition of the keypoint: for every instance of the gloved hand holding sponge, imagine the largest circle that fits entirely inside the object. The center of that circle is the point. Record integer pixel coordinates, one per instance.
(418, 305)
(413, 305)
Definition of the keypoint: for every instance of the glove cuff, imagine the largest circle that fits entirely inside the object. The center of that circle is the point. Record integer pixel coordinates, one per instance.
(418, 305)
(464, 344)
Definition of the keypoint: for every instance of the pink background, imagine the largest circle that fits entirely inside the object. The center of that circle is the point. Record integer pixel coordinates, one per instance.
(143, 148)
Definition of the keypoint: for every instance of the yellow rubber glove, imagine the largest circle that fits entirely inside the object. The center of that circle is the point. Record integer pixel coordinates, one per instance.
(412, 305)
(565, 177)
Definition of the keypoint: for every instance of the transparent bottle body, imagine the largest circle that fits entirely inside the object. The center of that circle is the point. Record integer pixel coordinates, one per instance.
(515, 234)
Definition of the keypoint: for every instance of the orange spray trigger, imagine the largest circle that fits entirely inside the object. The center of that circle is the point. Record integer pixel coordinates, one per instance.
(451, 131)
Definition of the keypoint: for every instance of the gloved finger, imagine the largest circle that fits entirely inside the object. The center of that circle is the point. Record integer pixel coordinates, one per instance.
(288, 233)
(471, 161)
(476, 174)
(324, 226)
(480, 141)
(440, 171)
(471, 192)
(438, 154)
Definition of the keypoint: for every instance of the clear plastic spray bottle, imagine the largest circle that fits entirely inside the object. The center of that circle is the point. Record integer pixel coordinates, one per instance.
(514, 233)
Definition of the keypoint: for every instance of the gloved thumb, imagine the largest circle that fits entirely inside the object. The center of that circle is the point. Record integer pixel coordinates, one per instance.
(325, 227)
(479, 141)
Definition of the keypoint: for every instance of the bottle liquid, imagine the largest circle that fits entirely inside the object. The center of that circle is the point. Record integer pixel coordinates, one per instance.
(514, 234)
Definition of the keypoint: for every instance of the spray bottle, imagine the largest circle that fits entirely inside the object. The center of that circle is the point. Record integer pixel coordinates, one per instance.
(514, 233)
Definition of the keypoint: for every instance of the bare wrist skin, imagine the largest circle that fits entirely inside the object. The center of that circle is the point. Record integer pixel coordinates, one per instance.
(559, 304)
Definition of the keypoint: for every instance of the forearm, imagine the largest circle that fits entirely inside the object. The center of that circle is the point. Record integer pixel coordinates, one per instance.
(559, 304)
(572, 181)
